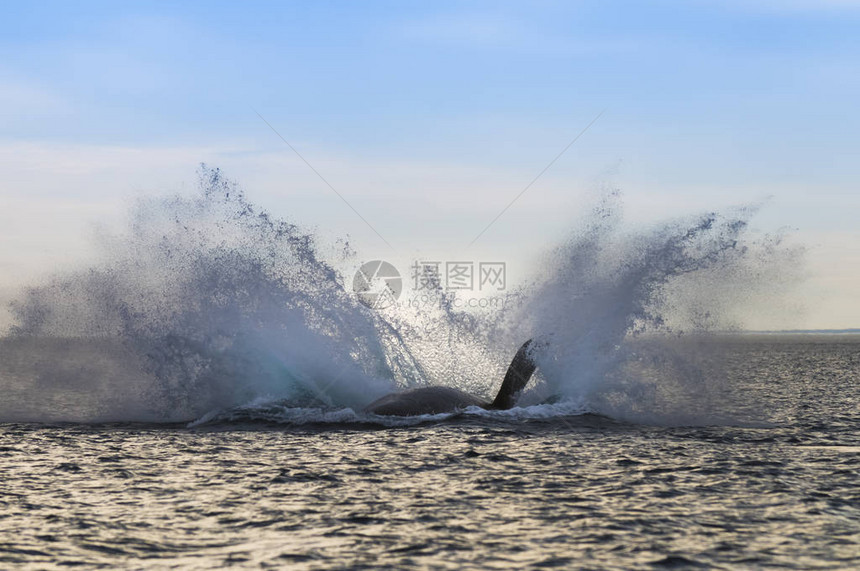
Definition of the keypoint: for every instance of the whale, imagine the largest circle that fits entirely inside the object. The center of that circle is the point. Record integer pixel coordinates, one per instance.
(438, 400)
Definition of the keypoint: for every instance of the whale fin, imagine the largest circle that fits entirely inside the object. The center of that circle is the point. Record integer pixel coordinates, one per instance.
(516, 379)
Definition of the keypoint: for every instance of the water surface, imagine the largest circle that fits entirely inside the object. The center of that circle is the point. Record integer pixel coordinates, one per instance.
(479, 490)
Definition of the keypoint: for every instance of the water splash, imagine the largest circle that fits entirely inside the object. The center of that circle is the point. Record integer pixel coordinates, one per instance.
(219, 303)
(210, 308)
(624, 316)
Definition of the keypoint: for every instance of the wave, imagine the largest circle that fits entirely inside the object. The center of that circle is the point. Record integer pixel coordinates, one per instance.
(286, 413)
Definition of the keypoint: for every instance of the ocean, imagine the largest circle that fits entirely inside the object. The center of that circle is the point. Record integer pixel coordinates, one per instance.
(530, 487)
(195, 399)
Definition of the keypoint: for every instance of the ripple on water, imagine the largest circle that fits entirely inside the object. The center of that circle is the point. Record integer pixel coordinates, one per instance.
(472, 491)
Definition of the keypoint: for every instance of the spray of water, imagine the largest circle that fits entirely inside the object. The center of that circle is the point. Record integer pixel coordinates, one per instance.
(625, 316)
(209, 304)
(216, 303)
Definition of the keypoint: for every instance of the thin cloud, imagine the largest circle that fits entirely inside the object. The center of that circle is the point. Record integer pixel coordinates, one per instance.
(22, 98)
(495, 32)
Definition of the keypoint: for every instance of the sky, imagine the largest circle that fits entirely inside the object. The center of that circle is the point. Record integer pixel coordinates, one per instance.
(430, 117)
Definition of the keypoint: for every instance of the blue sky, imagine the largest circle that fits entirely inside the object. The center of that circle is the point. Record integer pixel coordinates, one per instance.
(430, 117)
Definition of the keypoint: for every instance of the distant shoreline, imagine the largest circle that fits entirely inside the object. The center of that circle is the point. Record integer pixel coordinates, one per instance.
(800, 332)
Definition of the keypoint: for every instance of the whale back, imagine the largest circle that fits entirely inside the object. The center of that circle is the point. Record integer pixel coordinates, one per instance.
(516, 379)
(424, 400)
(436, 400)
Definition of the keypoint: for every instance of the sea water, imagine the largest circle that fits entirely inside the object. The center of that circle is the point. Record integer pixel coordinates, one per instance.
(195, 400)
